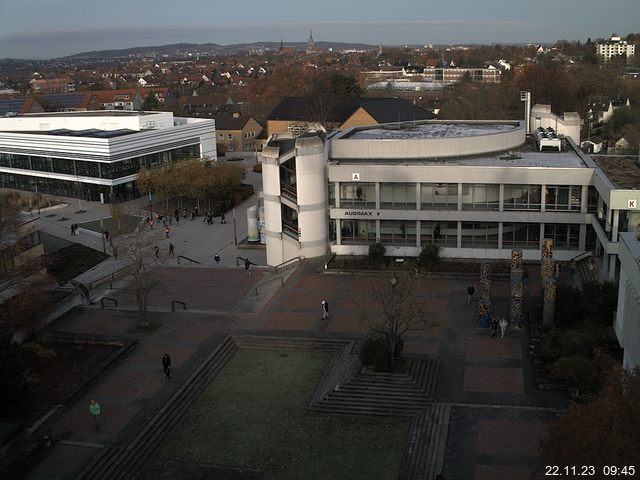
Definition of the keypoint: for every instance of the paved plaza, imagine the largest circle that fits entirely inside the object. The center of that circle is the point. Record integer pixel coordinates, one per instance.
(498, 415)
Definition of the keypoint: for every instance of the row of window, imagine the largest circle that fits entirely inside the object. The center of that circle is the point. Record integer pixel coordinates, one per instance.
(405, 196)
(247, 135)
(445, 234)
(82, 168)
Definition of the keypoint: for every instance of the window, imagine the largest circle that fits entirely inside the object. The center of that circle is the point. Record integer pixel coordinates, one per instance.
(521, 235)
(229, 136)
(439, 196)
(331, 194)
(221, 136)
(398, 232)
(398, 196)
(563, 236)
(562, 197)
(356, 194)
(479, 235)
(522, 197)
(361, 232)
(480, 197)
(444, 234)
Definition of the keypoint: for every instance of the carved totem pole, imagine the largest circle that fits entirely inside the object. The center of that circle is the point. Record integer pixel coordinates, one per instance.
(517, 274)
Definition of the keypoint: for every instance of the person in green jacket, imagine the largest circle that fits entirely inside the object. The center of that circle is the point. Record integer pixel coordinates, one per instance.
(94, 408)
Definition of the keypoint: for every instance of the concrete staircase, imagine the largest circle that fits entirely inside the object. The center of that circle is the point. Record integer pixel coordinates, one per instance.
(118, 463)
(424, 458)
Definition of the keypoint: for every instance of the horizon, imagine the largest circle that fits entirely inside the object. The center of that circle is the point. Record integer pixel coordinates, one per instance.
(60, 32)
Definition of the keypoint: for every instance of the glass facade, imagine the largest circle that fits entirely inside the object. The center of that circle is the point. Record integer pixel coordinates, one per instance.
(562, 197)
(398, 232)
(479, 235)
(83, 168)
(522, 197)
(521, 235)
(444, 234)
(439, 196)
(480, 196)
(564, 236)
(358, 195)
(398, 196)
(362, 232)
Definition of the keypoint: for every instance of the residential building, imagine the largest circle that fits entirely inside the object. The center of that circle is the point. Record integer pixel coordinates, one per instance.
(296, 114)
(430, 74)
(237, 132)
(615, 47)
(95, 155)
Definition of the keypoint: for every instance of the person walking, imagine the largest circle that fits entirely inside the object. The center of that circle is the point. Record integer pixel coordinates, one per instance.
(494, 326)
(216, 257)
(94, 408)
(222, 218)
(325, 309)
(247, 266)
(167, 229)
(157, 250)
(572, 266)
(166, 365)
(470, 292)
(73, 229)
(171, 254)
(115, 252)
(503, 326)
(176, 214)
(184, 213)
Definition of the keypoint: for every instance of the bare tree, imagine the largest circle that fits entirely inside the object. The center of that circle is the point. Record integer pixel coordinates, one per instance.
(139, 251)
(399, 305)
(118, 211)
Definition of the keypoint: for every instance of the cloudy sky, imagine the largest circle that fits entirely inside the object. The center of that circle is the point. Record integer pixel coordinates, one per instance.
(54, 28)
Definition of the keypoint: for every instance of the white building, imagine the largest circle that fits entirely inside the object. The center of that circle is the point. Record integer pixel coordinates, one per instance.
(615, 47)
(627, 322)
(478, 189)
(95, 155)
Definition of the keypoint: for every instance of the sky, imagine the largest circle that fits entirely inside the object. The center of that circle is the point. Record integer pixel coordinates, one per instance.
(41, 29)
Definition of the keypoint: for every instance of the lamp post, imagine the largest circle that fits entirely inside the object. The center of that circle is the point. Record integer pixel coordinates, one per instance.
(150, 207)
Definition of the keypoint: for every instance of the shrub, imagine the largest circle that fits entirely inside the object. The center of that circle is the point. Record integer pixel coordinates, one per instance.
(376, 353)
(578, 370)
(429, 256)
(376, 253)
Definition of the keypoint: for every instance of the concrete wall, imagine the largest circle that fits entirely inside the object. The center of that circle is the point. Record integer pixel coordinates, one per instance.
(627, 321)
(352, 148)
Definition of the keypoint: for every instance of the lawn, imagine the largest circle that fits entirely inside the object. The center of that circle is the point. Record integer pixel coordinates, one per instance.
(254, 415)
(68, 262)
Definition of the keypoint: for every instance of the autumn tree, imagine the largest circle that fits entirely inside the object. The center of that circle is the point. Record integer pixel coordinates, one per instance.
(604, 431)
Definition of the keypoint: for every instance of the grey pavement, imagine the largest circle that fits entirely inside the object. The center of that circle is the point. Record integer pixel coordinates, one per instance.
(192, 239)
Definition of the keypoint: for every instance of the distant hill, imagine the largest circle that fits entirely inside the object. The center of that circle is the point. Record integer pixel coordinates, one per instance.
(213, 48)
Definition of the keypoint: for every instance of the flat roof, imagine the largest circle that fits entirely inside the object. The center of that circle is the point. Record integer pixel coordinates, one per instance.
(623, 172)
(430, 130)
(92, 113)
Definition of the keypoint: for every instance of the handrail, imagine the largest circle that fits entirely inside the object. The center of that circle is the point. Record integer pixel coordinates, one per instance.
(115, 302)
(288, 263)
(173, 305)
(110, 275)
(582, 256)
(268, 282)
(187, 258)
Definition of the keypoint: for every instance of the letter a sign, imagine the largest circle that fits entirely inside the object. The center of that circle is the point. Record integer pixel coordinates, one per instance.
(355, 177)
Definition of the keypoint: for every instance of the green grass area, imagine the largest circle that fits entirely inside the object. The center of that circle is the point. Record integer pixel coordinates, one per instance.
(254, 415)
(128, 224)
(71, 261)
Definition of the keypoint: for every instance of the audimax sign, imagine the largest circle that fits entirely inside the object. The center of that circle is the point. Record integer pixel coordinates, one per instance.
(360, 213)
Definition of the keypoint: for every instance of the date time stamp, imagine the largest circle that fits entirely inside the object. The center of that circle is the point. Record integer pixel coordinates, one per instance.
(570, 471)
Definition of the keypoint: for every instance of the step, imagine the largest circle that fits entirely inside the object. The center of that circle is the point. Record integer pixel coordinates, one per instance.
(128, 461)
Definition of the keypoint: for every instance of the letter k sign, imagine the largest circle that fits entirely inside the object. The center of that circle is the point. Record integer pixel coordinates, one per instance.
(632, 203)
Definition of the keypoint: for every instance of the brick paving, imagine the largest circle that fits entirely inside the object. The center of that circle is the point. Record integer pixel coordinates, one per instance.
(498, 414)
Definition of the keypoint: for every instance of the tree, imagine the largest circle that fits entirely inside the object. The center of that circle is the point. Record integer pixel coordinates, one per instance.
(150, 101)
(138, 249)
(429, 256)
(604, 431)
(400, 307)
(118, 211)
(376, 253)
